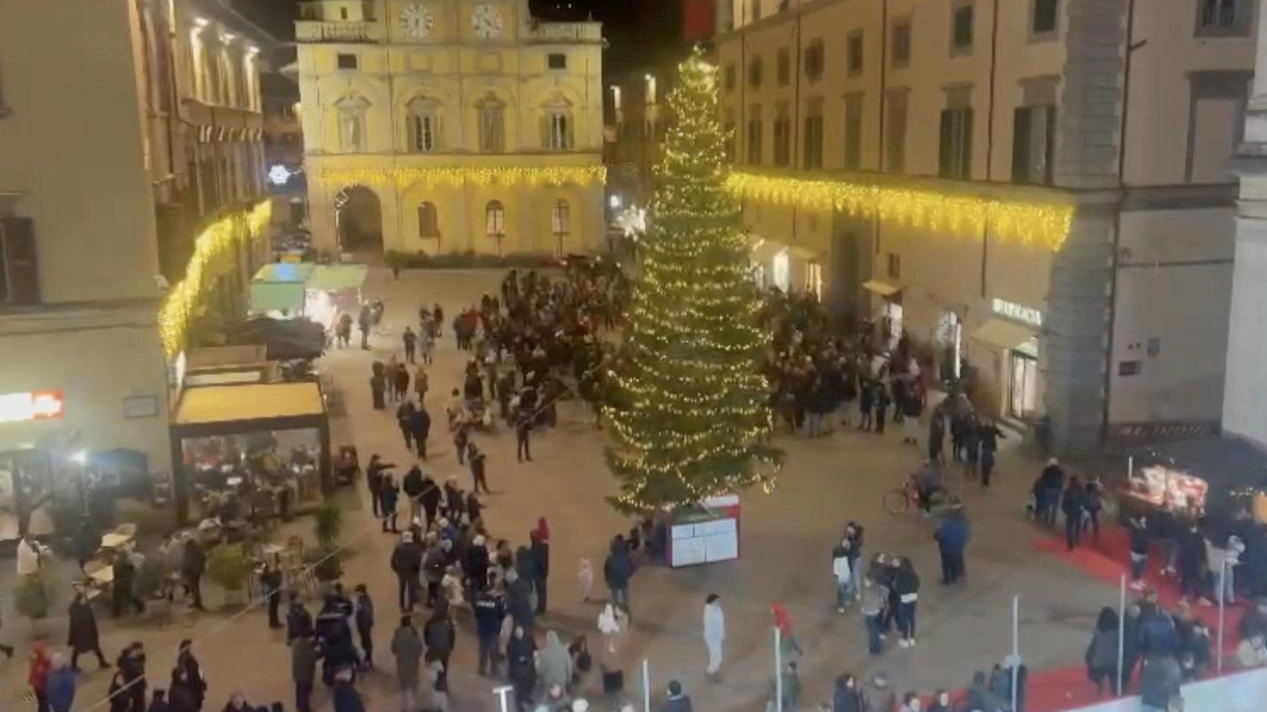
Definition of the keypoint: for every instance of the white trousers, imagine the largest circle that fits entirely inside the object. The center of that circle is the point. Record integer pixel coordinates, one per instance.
(714, 656)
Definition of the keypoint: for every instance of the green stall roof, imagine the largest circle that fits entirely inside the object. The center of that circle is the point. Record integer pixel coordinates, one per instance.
(277, 296)
(334, 278)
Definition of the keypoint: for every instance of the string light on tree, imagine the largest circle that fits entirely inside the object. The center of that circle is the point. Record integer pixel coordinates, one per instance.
(692, 406)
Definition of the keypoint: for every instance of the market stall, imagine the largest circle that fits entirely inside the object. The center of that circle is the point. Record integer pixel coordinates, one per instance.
(332, 289)
(706, 534)
(250, 451)
(1220, 476)
(278, 289)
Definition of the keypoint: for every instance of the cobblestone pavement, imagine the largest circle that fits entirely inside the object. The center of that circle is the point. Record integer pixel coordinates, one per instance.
(786, 540)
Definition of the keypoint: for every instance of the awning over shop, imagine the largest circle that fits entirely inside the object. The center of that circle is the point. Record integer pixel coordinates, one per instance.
(1002, 334)
(884, 289)
(211, 356)
(334, 278)
(265, 401)
(284, 272)
(285, 297)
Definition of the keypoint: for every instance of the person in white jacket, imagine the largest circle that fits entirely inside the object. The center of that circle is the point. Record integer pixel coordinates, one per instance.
(714, 633)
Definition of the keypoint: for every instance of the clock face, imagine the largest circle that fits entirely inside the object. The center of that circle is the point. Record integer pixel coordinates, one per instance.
(416, 20)
(486, 21)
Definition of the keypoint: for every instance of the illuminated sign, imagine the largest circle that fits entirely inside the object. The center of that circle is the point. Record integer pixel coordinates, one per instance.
(1018, 312)
(32, 405)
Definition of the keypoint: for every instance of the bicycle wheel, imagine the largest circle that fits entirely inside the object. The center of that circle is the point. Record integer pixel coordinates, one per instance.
(895, 501)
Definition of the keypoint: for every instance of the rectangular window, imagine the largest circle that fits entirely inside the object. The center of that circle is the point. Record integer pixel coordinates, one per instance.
(895, 131)
(1033, 140)
(558, 132)
(894, 267)
(1044, 17)
(901, 44)
(955, 143)
(782, 137)
(346, 60)
(961, 19)
(814, 59)
(853, 55)
(1223, 17)
(812, 154)
(729, 77)
(784, 67)
(19, 273)
(754, 72)
(853, 131)
(422, 132)
(557, 60)
(492, 139)
(754, 141)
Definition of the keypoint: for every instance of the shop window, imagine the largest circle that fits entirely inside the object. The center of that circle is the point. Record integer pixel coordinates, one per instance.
(428, 221)
(560, 224)
(782, 270)
(1023, 381)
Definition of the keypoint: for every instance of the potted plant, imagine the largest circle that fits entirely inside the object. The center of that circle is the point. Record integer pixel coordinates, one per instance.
(327, 524)
(228, 568)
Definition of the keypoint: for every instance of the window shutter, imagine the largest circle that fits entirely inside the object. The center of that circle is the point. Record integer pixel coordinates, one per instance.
(965, 156)
(945, 161)
(1049, 148)
(22, 277)
(1021, 145)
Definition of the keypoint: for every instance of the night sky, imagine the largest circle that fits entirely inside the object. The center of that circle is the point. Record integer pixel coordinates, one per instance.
(639, 32)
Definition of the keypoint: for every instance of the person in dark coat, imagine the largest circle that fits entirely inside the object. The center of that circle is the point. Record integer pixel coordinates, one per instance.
(1047, 492)
(478, 464)
(271, 583)
(490, 611)
(882, 401)
(303, 670)
(404, 417)
(407, 563)
(476, 566)
(1101, 655)
(374, 480)
(866, 402)
(388, 494)
(82, 636)
(123, 587)
(412, 485)
(344, 695)
(420, 426)
(988, 435)
(618, 569)
(440, 635)
(1074, 504)
(519, 599)
(299, 623)
(407, 647)
(952, 538)
(364, 618)
(430, 499)
(521, 662)
(1192, 562)
(188, 664)
(131, 665)
(540, 552)
(677, 701)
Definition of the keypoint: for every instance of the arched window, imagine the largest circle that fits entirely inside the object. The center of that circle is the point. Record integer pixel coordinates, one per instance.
(560, 223)
(556, 125)
(352, 123)
(491, 124)
(495, 222)
(428, 223)
(423, 122)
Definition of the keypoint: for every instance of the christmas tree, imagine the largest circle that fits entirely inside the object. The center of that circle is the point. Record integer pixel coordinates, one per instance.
(692, 403)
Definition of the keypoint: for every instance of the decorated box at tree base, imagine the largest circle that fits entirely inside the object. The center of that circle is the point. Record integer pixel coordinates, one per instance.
(705, 534)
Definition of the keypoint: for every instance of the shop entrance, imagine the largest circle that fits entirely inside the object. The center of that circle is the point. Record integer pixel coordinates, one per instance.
(950, 345)
(1023, 386)
(358, 220)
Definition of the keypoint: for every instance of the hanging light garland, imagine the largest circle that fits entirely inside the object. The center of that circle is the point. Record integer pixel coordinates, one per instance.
(184, 300)
(1046, 224)
(467, 175)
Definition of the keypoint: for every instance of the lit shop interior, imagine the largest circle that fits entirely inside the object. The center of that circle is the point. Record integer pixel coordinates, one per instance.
(250, 451)
(285, 290)
(1222, 478)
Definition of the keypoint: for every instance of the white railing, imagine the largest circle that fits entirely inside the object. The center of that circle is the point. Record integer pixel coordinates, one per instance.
(315, 31)
(567, 32)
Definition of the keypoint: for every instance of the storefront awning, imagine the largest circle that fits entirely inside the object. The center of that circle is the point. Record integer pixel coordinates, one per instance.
(285, 297)
(1002, 334)
(284, 272)
(265, 401)
(336, 278)
(884, 289)
(211, 356)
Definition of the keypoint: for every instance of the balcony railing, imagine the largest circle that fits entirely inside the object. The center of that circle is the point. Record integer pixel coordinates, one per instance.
(567, 32)
(315, 31)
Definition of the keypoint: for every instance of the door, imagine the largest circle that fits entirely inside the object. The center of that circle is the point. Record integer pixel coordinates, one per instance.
(1023, 397)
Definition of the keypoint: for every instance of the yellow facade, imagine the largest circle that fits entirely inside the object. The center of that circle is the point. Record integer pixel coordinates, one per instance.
(445, 111)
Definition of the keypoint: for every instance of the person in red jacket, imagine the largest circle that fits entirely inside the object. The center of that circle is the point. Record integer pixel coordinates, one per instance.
(783, 622)
(38, 675)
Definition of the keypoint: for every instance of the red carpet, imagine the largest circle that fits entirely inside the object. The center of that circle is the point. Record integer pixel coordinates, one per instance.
(1108, 559)
(1055, 690)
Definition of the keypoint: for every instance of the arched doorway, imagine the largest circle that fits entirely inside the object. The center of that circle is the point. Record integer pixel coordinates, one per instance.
(358, 220)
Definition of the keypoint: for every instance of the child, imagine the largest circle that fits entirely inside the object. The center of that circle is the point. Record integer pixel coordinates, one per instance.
(585, 579)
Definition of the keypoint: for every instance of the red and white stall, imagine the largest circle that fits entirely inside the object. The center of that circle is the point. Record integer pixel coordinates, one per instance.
(706, 534)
